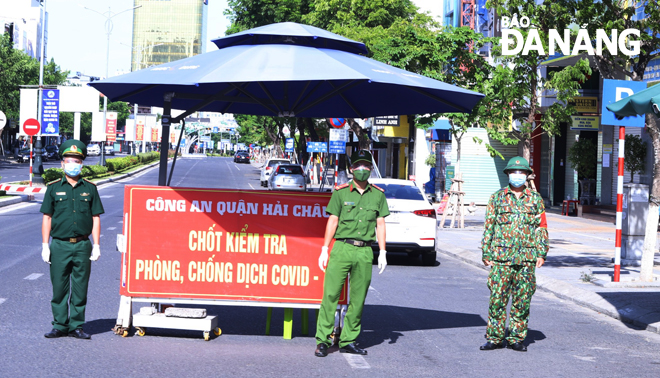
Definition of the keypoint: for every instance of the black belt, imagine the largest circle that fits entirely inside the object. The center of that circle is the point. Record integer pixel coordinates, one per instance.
(74, 240)
(357, 243)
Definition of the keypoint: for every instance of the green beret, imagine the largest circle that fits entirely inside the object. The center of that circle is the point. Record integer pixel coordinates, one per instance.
(73, 147)
(518, 162)
(362, 155)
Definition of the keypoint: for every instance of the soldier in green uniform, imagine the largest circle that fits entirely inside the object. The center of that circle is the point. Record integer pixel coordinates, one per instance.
(71, 209)
(357, 210)
(514, 244)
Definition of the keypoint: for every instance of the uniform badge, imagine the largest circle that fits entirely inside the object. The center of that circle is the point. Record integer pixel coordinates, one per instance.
(349, 203)
(74, 148)
(60, 193)
(84, 194)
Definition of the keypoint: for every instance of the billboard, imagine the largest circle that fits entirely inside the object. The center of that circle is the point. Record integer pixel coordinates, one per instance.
(223, 244)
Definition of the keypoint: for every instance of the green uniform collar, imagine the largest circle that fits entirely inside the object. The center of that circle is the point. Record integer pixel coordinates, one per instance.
(350, 186)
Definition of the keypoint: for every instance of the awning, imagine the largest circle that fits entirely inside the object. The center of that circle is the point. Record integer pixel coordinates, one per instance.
(641, 102)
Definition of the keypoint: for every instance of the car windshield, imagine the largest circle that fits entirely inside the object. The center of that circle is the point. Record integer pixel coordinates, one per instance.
(289, 170)
(243, 153)
(273, 163)
(405, 192)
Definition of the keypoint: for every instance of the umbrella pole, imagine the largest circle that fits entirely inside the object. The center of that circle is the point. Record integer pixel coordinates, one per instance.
(165, 138)
(176, 151)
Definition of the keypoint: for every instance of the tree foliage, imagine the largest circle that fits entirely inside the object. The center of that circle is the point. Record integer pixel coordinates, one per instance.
(17, 69)
(634, 155)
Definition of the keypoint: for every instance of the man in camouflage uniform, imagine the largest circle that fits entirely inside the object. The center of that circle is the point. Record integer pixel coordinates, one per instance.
(514, 244)
(357, 216)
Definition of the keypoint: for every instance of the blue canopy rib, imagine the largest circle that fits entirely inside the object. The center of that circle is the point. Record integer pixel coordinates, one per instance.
(348, 102)
(455, 106)
(302, 93)
(137, 91)
(270, 97)
(253, 97)
(344, 87)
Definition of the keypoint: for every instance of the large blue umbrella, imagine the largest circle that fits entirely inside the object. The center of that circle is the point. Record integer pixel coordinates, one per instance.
(288, 70)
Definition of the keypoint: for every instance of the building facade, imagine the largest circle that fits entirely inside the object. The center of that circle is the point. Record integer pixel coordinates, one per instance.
(167, 30)
(22, 19)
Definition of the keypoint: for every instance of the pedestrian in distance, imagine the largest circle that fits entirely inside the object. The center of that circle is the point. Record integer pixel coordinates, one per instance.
(357, 212)
(72, 209)
(515, 243)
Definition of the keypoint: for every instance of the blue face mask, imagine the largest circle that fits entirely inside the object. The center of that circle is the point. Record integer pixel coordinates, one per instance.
(517, 179)
(72, 169)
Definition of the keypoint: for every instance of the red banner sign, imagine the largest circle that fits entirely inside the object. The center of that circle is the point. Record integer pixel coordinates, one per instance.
(154, 134)
(223, 244)
(139, 131)
(111, 123)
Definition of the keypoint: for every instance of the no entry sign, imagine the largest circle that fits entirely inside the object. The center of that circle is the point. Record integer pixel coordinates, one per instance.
(31, 126)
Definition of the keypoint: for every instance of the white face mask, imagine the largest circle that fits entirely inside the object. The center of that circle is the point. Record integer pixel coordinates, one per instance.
(72, 169)
(517, 179)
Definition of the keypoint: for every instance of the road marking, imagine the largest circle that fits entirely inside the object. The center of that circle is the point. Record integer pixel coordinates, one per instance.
(237, 167)
(33, 276)
(356, 361)
(2, 300)
(18, 207)
(251, 186)
(112, 228)
(107, 196)
(586, 358)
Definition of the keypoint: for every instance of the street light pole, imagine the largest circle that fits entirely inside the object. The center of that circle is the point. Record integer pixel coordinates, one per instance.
(37, 146)
(108, 28)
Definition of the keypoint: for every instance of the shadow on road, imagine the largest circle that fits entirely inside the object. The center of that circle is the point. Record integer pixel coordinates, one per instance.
(388, 323)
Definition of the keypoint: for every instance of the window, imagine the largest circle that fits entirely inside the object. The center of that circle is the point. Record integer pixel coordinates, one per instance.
(406, 192)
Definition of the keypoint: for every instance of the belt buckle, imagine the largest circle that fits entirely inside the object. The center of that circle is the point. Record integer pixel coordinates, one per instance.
(73, 240)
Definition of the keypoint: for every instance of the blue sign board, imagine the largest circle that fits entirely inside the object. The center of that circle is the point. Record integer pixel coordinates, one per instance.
(183, 142)
(337, 147)
(615, 90)
(317, 147)
(215, 129)
(288, 145)
(50, 112)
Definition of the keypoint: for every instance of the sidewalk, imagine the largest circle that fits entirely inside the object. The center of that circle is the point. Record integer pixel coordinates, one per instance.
(579, 267)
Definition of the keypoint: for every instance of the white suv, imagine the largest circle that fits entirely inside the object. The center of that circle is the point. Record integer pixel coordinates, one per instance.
(268, 167)
(93, 150)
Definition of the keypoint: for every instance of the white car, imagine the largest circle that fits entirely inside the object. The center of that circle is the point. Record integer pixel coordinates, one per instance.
(268, 167)
(410, 227)
(109, 149)
(93, 150)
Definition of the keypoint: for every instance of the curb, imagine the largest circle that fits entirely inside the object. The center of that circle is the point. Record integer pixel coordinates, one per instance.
(17, 198)
(29, 196)
(632, 314)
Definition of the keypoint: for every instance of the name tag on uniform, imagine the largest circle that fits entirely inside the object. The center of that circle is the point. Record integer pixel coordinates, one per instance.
(60, 193)
(349, 203)
(84, 194)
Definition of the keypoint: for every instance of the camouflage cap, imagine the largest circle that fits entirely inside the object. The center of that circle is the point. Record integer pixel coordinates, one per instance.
(518, 162)
(73, 147)
(361, 155)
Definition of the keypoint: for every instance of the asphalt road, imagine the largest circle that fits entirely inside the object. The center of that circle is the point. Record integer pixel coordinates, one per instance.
(418, 321)
(14, 172)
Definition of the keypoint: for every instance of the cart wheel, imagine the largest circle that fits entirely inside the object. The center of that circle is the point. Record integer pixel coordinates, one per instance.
(207, 336)
(116, 329)
(141, 331)
(217, 331)
(124, 332)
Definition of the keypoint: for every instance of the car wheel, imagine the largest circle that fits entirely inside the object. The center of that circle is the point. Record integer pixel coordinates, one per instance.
(429, 258)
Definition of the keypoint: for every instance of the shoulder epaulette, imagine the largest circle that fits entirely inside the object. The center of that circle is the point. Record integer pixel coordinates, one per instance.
(378, 187)
(342, 186)
(89, 182)
(52, 182)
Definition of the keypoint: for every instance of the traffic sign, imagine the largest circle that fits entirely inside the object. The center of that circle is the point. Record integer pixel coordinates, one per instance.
(31, 126)
(3, 120)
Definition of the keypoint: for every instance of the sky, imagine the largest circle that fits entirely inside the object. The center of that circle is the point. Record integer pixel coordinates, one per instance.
(77, 37)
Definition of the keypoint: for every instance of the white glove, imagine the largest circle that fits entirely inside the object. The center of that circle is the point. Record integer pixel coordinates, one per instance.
(45, 252)
(323, 259)
(96, 252)
(382, 260)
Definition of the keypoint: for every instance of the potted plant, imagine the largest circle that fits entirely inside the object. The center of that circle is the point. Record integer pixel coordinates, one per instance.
(583, 158)
(634, 155)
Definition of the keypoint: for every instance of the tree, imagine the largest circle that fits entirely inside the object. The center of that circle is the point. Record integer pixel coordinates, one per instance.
(17, 69)
(620, 15)
(522, 77)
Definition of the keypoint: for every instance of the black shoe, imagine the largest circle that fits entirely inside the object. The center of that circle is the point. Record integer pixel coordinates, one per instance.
(518, 347)
(321, 350)
(352, 349)
(80, 334)
(492, 346)
(55, 333)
